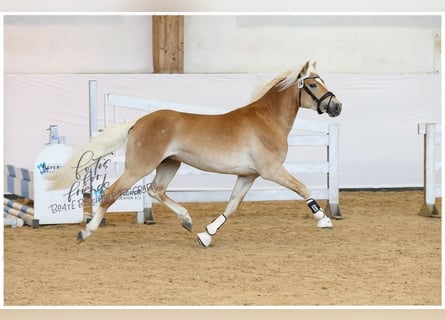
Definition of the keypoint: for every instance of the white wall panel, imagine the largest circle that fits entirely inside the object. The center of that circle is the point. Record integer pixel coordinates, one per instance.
(342, 44)
(78, 44)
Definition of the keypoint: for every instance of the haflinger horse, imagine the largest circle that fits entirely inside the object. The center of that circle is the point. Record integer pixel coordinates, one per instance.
(249, 142)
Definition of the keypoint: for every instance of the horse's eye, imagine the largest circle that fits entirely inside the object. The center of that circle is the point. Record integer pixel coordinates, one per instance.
(313, 85)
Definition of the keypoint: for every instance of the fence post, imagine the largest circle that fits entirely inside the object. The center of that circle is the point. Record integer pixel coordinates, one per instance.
(429, 208)
(332, 207)
(147, 215)
(93, 108)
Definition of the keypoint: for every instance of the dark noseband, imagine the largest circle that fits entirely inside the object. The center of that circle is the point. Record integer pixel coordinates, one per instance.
(302, 85)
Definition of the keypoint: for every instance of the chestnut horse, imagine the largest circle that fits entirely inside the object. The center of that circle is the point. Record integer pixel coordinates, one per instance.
(249, 142)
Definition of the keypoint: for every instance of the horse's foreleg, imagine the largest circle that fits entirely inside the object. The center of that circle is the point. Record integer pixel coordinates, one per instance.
(164, 174)
(284, 178)
(243, 184)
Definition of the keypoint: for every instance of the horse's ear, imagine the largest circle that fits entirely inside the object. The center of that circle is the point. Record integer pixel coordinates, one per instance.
(314, 66)
(311, 68)
(305, 70)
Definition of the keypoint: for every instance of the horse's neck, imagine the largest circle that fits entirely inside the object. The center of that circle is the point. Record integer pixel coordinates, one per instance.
(281, 107)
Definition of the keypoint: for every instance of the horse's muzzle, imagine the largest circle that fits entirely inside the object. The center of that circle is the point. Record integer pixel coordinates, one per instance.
(334, 108)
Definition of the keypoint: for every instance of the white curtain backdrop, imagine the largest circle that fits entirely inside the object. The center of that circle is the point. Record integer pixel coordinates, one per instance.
(379, 144)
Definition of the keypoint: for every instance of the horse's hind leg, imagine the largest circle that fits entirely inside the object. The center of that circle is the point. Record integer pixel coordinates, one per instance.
(242, 186)
(110, 195)
(164, 174)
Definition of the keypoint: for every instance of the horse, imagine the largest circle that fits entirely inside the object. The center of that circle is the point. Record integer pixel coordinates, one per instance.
(249, 142)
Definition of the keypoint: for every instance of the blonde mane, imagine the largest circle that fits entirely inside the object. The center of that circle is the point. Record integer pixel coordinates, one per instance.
(283, 81)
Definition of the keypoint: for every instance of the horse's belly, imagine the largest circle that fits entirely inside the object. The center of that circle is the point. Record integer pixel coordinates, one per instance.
(228, 164)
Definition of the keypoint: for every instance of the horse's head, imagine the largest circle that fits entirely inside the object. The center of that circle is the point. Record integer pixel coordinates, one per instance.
(313, 93)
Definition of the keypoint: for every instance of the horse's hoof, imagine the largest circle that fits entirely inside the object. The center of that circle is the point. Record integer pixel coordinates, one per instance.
(187, 226)
(80, 237)
(325, 223)
(204, 239)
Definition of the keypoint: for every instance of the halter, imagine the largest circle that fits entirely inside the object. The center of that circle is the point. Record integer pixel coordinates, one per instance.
(302, 85)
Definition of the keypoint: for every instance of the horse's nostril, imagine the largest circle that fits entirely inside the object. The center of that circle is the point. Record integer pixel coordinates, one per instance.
(338, 108)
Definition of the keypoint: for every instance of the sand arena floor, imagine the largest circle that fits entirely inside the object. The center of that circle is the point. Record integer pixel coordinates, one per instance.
(268, 253)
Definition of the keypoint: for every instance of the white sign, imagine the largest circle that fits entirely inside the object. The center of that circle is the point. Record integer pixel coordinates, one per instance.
(56, 206)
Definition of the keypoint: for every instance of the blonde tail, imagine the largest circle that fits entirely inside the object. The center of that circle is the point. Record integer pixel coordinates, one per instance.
(106, 142)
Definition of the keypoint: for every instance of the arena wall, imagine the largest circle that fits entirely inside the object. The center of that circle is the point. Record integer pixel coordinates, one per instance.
(225, 43)
(386, 76)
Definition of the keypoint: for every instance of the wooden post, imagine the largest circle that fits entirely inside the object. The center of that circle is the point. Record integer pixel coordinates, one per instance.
(168, 44)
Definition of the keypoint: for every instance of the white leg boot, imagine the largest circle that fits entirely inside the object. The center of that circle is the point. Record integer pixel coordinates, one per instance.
(323, 221)
(205, 238)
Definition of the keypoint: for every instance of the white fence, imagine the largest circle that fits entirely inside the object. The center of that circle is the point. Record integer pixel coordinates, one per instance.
(118, 109)
(432, 167)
